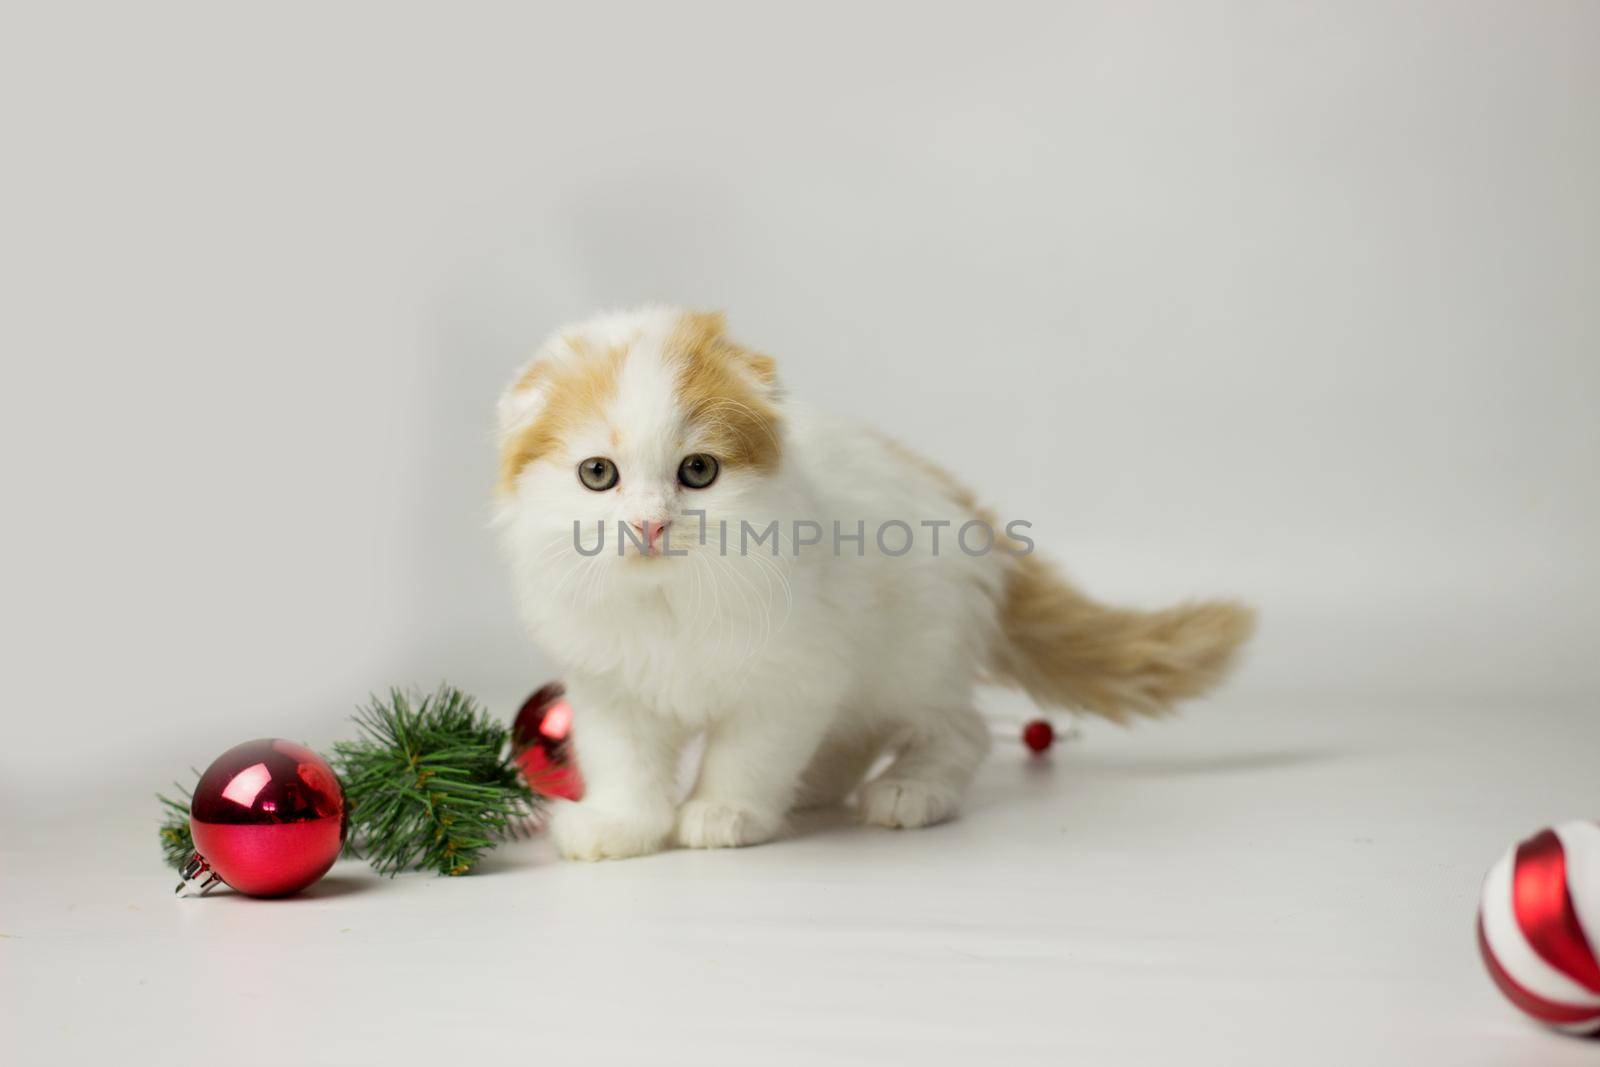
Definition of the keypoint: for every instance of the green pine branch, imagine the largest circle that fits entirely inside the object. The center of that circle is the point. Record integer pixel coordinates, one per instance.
(430, 783)
(177, 843)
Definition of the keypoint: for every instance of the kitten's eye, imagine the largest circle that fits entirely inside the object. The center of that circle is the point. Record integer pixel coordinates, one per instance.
(697, 471)
(597, 473)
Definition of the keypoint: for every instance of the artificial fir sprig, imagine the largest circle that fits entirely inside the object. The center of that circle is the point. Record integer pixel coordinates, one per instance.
(177, 843)
(430, 783)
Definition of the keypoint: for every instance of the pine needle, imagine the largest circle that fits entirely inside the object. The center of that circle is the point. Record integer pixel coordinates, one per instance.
(430, 783)
(177, 844)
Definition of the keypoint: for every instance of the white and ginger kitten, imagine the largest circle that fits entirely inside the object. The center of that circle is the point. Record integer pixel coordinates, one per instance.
(803, 657)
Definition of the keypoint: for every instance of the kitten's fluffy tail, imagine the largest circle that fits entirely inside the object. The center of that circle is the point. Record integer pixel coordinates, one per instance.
(1066, 650)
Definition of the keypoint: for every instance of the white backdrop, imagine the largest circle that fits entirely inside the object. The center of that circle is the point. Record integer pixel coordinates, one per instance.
(1294, 302)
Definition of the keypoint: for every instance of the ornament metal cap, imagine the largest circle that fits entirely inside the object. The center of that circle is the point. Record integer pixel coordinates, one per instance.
(198, 877)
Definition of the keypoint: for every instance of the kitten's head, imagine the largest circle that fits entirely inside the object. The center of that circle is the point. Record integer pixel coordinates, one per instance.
(635, 418)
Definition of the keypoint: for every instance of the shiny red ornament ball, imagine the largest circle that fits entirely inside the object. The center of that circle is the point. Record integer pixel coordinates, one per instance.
(539, 737)
(1039, 735)
(1539, 926)
(268, 819)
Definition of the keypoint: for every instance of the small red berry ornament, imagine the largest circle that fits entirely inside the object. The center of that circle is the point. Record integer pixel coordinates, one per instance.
(1539, 926)
(539, 737)
(1039, 735)
(268, 819)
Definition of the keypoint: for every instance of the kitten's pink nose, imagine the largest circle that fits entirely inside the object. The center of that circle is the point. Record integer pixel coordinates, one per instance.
(651, 533)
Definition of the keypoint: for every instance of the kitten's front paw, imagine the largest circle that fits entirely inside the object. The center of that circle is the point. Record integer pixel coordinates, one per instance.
(901, 803)
(584, 833)
(711, 824)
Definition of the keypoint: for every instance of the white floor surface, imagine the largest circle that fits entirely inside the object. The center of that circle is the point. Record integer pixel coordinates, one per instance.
(1262, 885)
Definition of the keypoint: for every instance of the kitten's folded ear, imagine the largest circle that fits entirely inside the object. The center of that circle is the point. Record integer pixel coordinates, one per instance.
(764, 368)
(705, 333)
(525, 397)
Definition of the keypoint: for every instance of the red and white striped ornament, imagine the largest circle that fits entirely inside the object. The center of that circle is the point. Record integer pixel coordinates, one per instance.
(1539, 926)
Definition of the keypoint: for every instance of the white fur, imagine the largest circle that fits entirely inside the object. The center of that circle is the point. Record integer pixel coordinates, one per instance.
(802, 670)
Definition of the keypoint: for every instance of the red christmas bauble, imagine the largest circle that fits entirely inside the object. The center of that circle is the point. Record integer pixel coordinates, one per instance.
(1038, 735)
(1539, 926)
(539, 736)
(268, 819)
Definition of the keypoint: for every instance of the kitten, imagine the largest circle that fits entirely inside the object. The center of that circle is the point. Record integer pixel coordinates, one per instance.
(854, 628)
